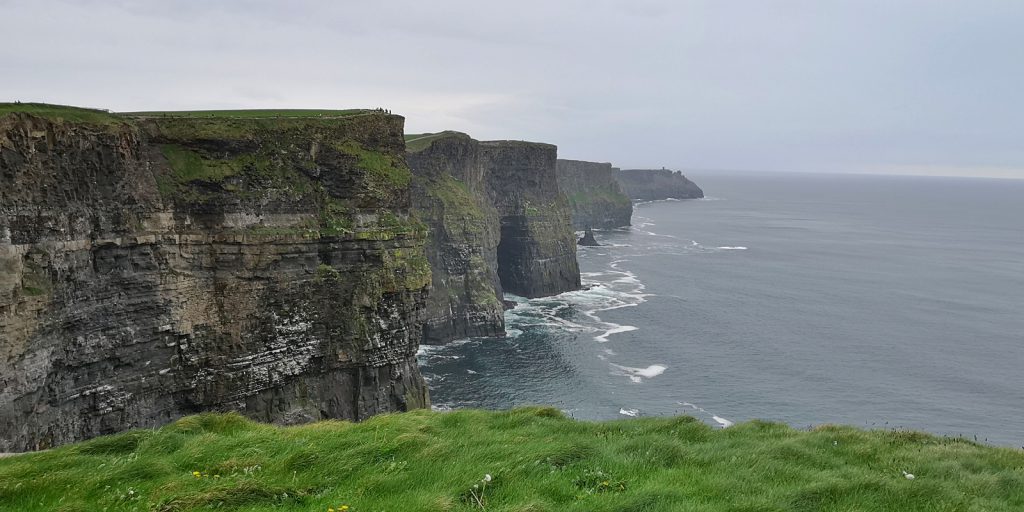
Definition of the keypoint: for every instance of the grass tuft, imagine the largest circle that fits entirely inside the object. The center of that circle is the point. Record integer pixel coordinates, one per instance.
(537, 459)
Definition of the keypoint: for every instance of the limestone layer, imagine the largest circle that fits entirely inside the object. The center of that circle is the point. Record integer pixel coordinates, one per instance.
(156, 267)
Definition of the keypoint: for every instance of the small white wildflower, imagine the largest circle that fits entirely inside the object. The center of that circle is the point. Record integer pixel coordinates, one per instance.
(487, 478)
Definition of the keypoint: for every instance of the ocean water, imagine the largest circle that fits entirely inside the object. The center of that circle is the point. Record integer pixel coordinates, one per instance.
(875, 301)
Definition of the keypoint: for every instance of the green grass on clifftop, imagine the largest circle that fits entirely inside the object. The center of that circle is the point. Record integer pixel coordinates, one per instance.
(249, 114)
(65, 112)
(538, 461)
(415, 142)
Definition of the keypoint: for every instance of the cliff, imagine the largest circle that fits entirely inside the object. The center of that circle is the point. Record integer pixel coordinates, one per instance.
(498, 223)
(651, 184)
(450, 196)
(161, 265)
(596, 199)
(537, 252)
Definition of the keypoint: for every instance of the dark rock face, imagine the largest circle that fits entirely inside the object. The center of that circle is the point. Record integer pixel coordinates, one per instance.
(450, 196)
(498, 222)
(653, 184)
(151, 269)
(588, 239)
(594, 194)
(537, 252)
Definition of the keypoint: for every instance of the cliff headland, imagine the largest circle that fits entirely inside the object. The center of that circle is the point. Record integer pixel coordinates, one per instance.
(654, 184)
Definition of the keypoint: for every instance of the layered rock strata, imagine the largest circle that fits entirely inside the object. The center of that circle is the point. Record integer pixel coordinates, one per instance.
(654, 184)
(450, 195)
(595, 196)
(498, 223)
(537, 251)
(156, 267)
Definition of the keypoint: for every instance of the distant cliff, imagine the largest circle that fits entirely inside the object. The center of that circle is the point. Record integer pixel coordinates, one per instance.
(161, 265)
(651, 184)
(498, 223)
(596, 198)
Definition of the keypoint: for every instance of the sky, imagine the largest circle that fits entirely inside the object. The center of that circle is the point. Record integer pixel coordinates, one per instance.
(865, 86)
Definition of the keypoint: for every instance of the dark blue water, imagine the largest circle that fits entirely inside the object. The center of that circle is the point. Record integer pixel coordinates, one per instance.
(887, 302)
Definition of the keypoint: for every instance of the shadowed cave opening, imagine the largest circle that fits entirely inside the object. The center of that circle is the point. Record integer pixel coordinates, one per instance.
(513, 255)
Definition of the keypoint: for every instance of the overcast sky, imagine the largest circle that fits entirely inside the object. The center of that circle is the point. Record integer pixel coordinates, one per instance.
(903, 86)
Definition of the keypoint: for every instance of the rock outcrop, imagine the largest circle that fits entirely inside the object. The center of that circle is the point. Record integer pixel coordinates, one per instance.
(450, 195)
(537, 251)
(498, 223)
(596, 198)
(588, 239)
(653, 184)
(156, 267)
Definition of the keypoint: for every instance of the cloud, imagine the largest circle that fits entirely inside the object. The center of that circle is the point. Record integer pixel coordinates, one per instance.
(785, 85)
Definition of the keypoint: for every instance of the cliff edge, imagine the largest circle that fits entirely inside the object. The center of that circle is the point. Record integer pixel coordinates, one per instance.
(498, 223)
(163, 264)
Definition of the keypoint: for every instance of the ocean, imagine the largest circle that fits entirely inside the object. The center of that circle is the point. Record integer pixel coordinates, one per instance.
(874, 301)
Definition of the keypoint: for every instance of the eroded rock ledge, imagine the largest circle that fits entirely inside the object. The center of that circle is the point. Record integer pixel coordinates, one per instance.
(155, 267)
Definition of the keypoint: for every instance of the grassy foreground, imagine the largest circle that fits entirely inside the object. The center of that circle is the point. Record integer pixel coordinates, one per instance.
(538, 460)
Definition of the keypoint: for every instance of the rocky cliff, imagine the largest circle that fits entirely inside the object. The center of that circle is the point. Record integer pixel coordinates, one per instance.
(154, 267)
(537, 252)
(594, 194)
(651, 184)
(498, 222)
(450, 194)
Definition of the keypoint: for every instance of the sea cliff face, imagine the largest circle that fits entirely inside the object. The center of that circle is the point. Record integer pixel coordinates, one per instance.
(498, 223)
(653, 184)
(156, 267)
(537, 252)
(594, 194)
(450, 196)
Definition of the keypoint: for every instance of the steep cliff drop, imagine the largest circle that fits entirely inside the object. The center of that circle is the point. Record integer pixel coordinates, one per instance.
(653, 184)
(498, 222)
(537, 252)
(596, 198)
(159, 265)
(450, 196)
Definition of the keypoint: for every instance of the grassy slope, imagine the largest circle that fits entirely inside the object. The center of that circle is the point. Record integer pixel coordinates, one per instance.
(65, 112)
(70, 113)
(539, 461)
(416, 142)
(252, 113)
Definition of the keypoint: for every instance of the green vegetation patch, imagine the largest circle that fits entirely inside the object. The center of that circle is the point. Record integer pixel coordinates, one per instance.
(248, 113)
(62, 112)
(593, 197)
(459, 204)
(415, 142)
(384, 172)
(190, 166)
(525, 459)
